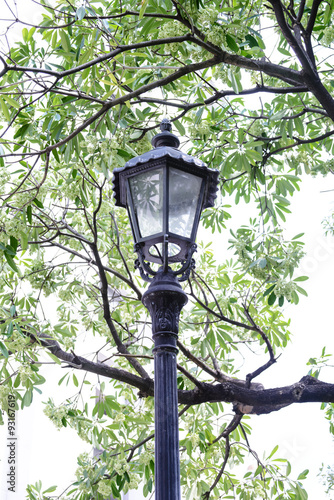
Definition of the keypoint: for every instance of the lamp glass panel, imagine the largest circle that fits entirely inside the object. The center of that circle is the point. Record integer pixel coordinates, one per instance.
(184, 192)
(156, 250)
(147, 197)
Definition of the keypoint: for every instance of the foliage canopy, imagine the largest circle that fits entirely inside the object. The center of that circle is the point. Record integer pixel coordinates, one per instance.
(249, 88)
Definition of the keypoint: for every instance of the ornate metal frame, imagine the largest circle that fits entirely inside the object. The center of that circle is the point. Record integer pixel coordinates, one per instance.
(146, 270)
(165, 155)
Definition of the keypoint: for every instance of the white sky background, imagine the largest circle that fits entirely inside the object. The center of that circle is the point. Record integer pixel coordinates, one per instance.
(49, 455)
(301, 430)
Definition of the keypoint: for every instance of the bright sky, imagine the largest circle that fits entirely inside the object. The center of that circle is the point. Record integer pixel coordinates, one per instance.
(300, 430)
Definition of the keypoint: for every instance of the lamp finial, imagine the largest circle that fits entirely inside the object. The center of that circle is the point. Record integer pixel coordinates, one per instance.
(166, 137)
(165, 125)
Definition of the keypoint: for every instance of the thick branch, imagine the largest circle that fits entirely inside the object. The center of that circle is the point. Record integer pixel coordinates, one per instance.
(307, 390)
(110, 55)
(301, 11)
(251, 401)
(121, 100)
(286, 74)
(144, 385)
(226, 93)
(290, 38)
(314, 11)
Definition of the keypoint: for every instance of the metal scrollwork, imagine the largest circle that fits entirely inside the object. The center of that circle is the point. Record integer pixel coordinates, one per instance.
(188, 265)
(146, 270)
(143, 267)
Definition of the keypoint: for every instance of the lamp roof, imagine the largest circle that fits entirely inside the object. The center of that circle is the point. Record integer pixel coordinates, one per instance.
(165, 146)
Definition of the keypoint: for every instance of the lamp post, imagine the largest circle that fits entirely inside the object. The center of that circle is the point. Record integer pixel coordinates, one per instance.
(165, 191)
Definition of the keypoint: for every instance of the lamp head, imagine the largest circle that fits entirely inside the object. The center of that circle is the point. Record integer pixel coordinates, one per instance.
(165, 191)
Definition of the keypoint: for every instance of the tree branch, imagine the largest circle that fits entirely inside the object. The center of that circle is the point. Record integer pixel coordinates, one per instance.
(110, 55)
(313, 15)
(107, 316)
(290, 38)
(246, 401)
(206, 495)
(298, 143)
(144, 385)
(92, 261)
(258, 402)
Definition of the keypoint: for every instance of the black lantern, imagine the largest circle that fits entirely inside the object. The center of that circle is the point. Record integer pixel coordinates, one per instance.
(165, 192)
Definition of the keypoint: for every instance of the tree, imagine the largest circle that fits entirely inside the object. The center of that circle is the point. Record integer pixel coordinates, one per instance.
(84, 91)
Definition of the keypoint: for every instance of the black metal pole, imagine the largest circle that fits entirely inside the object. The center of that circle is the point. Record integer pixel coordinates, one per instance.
(164, 299)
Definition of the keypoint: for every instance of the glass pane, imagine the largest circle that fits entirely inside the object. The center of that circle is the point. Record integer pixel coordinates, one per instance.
(184, 191)
(147, 197)
(173, 249)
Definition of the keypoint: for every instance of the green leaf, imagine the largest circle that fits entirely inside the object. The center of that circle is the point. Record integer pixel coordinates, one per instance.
(50, 490)
(328, 12)
(110, 401)
(80, 13)
(4, 109)
(11, 262)
(29, 214)
(63, 378)
(68, 152)
(22, 131)
(234, 77)
(143, 7)
(25, 34)
(27, 398)
(100, 412)
(302, 291)
(38, 203)
(251, 41)
(180, 128)
(284, 51)
(65, 41)
(106, 25)
(271, 299)
(31, 33)
(301, 493)
(54, 358)
(11, 101)
(24, 240)
(269, 290)
(10, 329)
(11, 249)
(299, 126)
(273, 452)
(115, 491)
(298, 236)
(231, 43)
(262, 263)
(17, 381)
(3, 349)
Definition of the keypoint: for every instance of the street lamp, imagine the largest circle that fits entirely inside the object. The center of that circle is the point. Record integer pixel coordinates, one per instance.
(165, 191)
